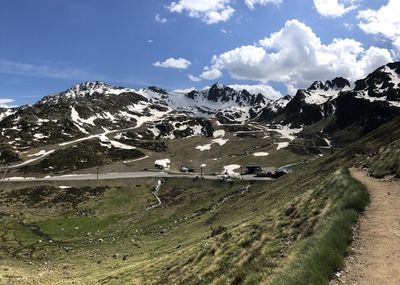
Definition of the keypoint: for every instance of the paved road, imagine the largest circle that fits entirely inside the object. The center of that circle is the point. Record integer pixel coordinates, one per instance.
(122, 175)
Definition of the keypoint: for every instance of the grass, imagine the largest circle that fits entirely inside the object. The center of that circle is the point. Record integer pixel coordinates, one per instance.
(204, 232)
(319, 256)
(81, 156)
(385, 162)
(7, 155)
(295, 230)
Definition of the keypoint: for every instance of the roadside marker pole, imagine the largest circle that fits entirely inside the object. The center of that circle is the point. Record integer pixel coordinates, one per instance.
(97, 172)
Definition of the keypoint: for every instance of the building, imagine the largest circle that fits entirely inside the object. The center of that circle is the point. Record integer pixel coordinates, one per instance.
(253, 169)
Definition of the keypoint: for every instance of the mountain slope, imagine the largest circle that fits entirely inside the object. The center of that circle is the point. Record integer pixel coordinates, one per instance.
(327, 114)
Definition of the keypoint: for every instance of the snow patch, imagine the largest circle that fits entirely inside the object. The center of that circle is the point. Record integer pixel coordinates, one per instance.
(363, 95)
(230, 169)
(282, 145)
(40, 136)
(285, 131)
(7, 113)
(165, 163)
(328, 142)
(204, 147)
(219, 133)
(219, 141)
(80, 121)
(258, 154)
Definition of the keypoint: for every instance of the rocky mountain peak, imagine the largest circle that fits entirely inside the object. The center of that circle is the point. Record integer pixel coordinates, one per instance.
(158, 90)
(385, 78)
(220, 92)
(83, 91)
(338, 83)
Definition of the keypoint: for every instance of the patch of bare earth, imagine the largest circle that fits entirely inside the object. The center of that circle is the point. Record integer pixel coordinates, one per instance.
(375, 251)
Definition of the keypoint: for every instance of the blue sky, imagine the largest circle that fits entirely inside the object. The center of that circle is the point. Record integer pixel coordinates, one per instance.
(276, 46)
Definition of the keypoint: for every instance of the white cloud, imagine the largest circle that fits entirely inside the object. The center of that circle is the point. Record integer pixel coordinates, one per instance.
(334, 8)
(185, 90)
(263, 89)
(296, 57)
(209, 11)
(4, 103)
(385, 22)
(252, 3)
(194, 78)
(159, 19)
(211, 74)
(179, 63)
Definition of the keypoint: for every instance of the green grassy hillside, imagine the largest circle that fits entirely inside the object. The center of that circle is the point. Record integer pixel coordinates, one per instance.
(203, 232)
(294, 230)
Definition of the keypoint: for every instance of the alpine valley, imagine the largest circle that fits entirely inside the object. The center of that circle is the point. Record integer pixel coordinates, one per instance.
(113, 185)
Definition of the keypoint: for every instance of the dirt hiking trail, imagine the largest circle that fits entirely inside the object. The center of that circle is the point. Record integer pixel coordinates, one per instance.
(375, 251)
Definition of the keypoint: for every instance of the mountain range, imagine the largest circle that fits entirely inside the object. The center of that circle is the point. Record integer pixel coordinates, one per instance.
(337, 109)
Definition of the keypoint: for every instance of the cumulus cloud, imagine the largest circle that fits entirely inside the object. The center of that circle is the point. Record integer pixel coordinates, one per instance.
(179, 63)
(296, 56)
(385, 22)
(211, 74)
(252, 3)
(159, 19)
(207, 74)
(194, 78)
(209, 11)
(4, 103)
(334, 8)
(263, 89)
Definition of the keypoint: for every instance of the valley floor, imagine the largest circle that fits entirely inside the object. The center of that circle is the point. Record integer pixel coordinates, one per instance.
(376, 251)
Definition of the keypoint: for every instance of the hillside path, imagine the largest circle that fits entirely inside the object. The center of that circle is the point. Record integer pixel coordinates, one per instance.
(375, 257)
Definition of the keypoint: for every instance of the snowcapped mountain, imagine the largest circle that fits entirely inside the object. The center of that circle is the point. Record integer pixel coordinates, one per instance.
(320, 92)
(93, 109)
(381, 85)
(364, 105)
(313, 104)
(218, 101)
(373, 101)
(86, 90)
(5, 112)
(273, 109)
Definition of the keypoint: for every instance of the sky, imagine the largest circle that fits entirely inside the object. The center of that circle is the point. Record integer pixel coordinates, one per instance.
(268, 46)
